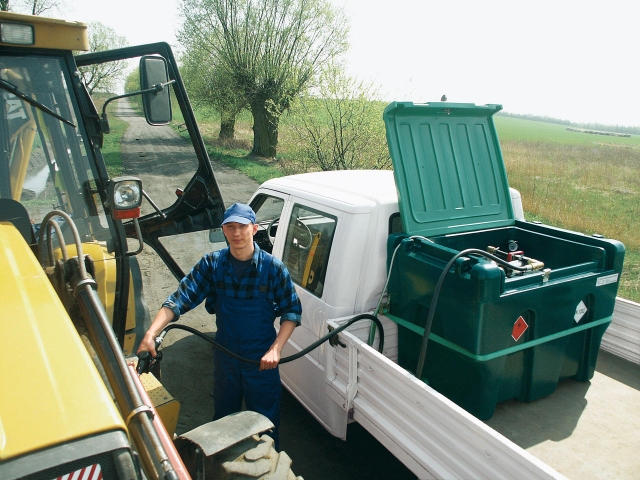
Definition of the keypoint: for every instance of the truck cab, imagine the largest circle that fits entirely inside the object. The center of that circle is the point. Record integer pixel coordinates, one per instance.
(312, 221)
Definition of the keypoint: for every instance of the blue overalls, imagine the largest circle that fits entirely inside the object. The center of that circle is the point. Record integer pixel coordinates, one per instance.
(245, 326)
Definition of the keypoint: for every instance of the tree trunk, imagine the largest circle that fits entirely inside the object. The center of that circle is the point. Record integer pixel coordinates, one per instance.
(265, 130)
(227, 128)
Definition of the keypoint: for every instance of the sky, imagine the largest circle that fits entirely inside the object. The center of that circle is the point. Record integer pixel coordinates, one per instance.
(573, 60)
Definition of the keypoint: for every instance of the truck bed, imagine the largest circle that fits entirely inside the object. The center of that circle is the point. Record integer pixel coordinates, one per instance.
(584, 430)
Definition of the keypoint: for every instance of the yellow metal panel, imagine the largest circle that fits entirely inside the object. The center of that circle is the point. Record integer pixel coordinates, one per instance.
(50, 390)
(105, 270)
(167, 407)
(52, 33)
(131, 307)
(129, 342)
(105, 266)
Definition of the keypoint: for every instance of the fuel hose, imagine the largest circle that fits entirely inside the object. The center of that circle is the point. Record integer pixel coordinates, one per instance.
(145, 362)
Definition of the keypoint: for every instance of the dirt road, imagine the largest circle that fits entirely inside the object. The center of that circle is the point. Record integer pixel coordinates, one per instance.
(165, 162)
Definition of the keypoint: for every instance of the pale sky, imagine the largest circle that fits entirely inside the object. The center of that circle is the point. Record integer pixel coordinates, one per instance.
(574, 60)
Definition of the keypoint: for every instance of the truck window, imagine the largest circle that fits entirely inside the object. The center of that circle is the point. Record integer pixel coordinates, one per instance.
(307, 247)
(268, 211)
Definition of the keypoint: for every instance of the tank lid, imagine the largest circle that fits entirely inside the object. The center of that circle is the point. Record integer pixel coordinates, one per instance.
(448, 167)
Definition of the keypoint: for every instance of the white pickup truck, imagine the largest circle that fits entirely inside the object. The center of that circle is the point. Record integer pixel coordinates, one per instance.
(331, 230)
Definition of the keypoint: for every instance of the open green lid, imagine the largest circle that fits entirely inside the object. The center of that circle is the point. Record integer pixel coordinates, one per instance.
(448, 167)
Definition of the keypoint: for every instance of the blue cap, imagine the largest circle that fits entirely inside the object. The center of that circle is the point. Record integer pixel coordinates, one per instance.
(239, 213)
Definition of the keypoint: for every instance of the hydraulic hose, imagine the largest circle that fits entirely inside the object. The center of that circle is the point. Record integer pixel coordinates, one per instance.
(436, 295)
(301, 353)
(136, 414)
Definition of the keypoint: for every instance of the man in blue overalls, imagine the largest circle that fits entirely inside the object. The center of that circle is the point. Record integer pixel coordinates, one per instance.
(247, 288)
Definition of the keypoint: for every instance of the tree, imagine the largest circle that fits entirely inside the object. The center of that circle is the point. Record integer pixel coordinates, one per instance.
(105, 76)
(341, 127)
(212, 86)
(4, 5)
(37, 7)
(271, 49)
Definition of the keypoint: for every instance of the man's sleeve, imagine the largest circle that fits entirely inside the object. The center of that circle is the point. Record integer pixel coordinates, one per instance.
(192, 290)
(288, 306)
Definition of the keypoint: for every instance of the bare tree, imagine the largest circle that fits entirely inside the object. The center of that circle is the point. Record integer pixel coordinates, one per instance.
(37, 7)
(340, 127)
(271, 49)
(103, 77)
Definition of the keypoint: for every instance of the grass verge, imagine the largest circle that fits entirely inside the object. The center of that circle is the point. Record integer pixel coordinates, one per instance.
(111, 146)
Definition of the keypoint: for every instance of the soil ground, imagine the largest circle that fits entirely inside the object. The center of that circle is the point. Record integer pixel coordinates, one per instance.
(187, 360)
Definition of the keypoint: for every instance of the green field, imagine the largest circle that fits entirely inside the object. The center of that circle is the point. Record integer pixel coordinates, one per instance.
(582, 182)
(517, 129)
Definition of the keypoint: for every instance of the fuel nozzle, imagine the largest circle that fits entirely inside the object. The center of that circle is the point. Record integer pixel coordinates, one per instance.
(145, 361)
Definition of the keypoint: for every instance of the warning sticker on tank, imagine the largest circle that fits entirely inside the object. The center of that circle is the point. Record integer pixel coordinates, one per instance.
(606, 280)
(519, 328)
(581, 309)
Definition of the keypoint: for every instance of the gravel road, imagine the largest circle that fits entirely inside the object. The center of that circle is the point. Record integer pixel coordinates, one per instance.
(187, 361)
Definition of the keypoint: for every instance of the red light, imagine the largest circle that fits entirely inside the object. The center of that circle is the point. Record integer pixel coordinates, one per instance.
(123, 214)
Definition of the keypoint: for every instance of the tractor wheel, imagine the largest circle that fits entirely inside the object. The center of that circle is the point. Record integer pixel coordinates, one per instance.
(252, 458)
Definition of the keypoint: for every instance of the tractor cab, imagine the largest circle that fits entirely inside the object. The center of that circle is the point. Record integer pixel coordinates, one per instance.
(79, 197)
(65, 150)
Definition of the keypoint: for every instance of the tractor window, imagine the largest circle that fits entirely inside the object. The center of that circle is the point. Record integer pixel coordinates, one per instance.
(43, 159)
(307, 247)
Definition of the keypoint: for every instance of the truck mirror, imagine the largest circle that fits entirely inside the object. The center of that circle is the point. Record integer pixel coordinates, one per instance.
(157, 103)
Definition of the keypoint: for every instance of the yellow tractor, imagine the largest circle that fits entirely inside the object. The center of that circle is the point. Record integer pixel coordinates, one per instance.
(71, 403)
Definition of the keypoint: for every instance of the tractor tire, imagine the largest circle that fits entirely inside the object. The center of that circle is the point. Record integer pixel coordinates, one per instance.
(252, 458)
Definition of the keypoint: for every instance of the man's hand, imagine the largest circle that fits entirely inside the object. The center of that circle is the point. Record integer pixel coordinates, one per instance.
(271, 359)
(148, 343)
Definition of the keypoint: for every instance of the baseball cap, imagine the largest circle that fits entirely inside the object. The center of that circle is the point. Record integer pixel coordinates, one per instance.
(239, 213)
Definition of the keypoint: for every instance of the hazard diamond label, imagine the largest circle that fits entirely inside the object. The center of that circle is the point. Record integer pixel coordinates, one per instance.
(581, 309)
(519, 328)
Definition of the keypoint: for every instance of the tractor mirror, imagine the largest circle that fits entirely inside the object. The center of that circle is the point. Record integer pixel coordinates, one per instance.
(156, 101)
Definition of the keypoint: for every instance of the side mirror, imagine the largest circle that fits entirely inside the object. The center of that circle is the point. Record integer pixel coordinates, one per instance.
(157, 103)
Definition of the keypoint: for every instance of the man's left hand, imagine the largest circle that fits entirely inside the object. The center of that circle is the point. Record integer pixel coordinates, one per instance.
(270, 359)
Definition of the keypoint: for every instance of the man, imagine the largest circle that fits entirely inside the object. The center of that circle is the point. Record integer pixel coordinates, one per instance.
(247, 289)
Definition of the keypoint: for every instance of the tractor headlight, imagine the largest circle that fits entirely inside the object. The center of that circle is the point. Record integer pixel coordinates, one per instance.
(17, 33)
(126, 196)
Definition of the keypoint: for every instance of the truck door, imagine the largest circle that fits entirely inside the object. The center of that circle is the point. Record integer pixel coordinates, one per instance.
(304, 240)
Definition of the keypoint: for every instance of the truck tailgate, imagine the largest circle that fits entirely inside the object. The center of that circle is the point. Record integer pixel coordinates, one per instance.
(430, 434)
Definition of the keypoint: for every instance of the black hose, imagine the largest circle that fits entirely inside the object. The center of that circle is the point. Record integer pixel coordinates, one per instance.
(301, 353)
(436, 295)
